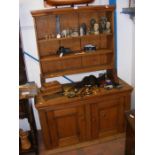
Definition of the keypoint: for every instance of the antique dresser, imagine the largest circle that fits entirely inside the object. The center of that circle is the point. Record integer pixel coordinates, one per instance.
(70, 120)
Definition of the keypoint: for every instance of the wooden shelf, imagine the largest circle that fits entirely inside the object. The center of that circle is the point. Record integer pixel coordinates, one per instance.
(75, 71)
(67, 38)
(66, 10)
(47, 23)
(75, 55)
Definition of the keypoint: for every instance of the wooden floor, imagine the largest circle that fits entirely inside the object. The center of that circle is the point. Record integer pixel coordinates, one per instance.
(114, 145)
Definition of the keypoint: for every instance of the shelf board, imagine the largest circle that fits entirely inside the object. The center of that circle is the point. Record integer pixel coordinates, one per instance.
(76, 71)
(74, 55)
(65, 10)
(67, 38)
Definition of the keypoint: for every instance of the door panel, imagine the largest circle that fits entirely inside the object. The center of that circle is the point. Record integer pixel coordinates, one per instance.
(67, 126)
(106, 117)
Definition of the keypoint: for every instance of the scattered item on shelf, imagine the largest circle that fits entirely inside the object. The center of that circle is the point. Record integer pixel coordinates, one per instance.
(83, 29)
(86, 91)
(90, 80)
(47, 37)
(57, 24)
(62, 51)
(89, 48)
(92, 23)
(88, 85)
(112, 74)
(66, 33)
(51, 88)
(108, 27)
(75, 32)
(108, 84)
(52, 35)
(58, 36)
(69, 91)
(96, 28)
(108, 87)
(24, 139)
(102, 24)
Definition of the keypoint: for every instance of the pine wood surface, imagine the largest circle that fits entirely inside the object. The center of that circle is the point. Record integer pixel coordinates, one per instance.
(66, 121)
(45, 101)
(51, 64)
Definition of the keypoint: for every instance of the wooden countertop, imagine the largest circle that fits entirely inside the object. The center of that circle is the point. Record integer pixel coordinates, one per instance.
(58, 99)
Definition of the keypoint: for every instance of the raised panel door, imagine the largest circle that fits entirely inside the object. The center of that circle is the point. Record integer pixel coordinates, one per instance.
(106, 117)
(67, 126)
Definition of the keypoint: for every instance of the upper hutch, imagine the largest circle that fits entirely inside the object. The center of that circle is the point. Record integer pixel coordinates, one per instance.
(79, 61)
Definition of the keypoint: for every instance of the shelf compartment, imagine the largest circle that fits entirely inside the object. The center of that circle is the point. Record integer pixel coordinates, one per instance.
(76, 62)
(51, 66)
(74, 55)
(45, 25)
(71, 64)
(72, 43)
(68, 21)
(75, 71)
(48, 47)
(91, 39)
(51, 46)
(68, 38)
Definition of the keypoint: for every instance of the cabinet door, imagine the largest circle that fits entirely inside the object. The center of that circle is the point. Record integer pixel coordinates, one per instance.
(67, 126)
(106, 117)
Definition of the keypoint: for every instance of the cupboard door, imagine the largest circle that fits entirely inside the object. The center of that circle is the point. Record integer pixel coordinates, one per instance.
(67, 126)
(106, 117)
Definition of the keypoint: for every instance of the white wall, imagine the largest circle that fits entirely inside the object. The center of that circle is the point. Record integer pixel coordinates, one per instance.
(29, 46)
(125, 46)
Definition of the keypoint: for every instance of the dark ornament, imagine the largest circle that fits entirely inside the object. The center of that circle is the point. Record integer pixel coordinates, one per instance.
(102, 24)
(92, 23)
